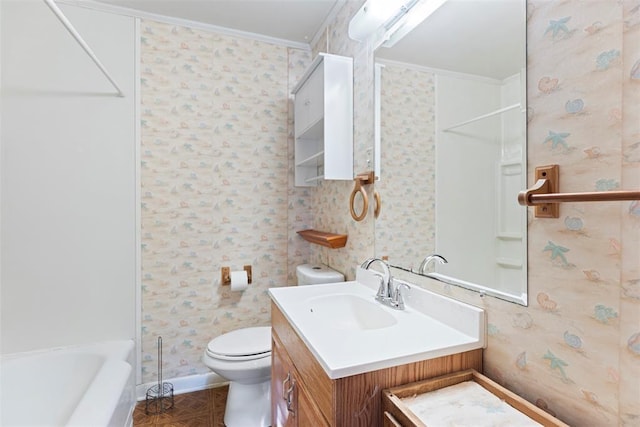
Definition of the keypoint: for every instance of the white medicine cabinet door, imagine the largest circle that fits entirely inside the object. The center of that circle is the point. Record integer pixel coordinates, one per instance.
(309, 105)
(323, 121)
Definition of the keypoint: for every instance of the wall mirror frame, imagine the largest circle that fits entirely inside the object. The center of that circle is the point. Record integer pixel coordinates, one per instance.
(450, 146)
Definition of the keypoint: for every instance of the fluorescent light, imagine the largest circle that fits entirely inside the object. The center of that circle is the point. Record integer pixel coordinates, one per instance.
(418, 13)
(372, 15)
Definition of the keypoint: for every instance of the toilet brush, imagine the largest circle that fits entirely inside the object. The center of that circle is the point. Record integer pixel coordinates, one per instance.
(160, 396)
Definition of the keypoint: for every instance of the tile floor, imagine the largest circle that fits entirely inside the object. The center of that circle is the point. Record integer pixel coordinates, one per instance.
(198, 409)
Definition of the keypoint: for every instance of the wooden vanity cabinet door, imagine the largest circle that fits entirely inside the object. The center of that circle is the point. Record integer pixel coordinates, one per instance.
(308, 412)
(283, 386)
(286, 383)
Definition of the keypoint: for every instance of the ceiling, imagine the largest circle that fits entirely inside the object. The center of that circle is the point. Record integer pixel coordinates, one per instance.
(481, 37)
(293, 20)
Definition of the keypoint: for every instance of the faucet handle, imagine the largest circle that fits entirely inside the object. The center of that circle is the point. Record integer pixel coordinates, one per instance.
(397, 300)
(383, 289)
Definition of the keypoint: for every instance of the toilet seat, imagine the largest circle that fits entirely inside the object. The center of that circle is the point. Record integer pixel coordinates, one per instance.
(241, 344)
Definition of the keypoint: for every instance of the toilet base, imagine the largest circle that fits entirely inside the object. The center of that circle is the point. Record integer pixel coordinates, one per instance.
(248, 405)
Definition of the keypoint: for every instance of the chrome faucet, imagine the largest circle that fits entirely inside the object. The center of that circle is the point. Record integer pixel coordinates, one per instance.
(387, 293)
(397, 301)
(384, 291)
(425, 262)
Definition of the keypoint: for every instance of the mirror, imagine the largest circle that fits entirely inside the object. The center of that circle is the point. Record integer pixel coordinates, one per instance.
(451, 139)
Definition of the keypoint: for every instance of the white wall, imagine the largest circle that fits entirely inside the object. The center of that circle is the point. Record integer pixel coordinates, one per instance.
(466, 161)
(491, 152)
(511, 219)
(68, 231)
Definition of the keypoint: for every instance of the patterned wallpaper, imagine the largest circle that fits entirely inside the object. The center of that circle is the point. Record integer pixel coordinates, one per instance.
(299, 198)
(575, 351)
(216, 113)
(216, 187)
(330, 200)
(407, 126)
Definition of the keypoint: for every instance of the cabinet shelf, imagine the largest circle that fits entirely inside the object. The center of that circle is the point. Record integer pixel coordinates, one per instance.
(314, 179)
(313, 131)
(330, 240)
(312, 160)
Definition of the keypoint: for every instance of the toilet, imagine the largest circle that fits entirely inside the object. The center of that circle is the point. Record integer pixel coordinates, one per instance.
(312, 274)
(243, 357)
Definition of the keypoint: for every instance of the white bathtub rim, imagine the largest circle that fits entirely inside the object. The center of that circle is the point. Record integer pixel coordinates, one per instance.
(115, 372)
(113, 375)
(117, 349)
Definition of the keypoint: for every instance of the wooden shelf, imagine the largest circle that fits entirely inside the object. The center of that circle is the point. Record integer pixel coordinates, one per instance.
(329, 240)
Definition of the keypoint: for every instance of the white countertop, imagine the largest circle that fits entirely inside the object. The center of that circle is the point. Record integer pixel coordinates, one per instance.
(431, 326)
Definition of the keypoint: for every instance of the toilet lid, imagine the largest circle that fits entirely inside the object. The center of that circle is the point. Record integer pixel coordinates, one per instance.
(242, 344)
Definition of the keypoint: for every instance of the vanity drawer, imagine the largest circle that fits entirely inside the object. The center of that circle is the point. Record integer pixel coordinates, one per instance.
(404, 404)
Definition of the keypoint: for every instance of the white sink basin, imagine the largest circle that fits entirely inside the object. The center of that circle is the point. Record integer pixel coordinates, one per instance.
(349, 312)
(351, 333)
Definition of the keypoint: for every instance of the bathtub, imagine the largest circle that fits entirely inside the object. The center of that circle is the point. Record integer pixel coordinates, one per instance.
(90, 385)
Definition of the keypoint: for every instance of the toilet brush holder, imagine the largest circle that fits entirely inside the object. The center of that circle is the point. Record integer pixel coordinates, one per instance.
(159, 397)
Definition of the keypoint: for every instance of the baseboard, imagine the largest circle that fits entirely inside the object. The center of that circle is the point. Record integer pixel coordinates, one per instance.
(185, 384)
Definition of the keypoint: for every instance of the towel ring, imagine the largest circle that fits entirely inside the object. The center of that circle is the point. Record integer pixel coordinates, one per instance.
(365, 202)
(378, 205)
(361, 179)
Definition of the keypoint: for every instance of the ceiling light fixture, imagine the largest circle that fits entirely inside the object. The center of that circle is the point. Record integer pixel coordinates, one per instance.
(390, 17)
(419, 12)
(373, 15)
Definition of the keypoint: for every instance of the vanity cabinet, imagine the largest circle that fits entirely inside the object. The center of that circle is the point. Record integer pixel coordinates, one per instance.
(323, 121)
(302, 394)
(291, 401)
(284, 393)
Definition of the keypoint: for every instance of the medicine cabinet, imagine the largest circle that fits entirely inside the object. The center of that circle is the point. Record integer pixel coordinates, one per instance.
(323, 117)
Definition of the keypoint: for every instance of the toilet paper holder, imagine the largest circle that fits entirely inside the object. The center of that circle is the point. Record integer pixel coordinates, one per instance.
(225, 279)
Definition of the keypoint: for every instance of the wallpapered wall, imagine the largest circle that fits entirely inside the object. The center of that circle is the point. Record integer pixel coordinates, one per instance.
(217, 187)
(216, 115)
(408, 165)
(577, 347)
(575, 350)
(330, 200)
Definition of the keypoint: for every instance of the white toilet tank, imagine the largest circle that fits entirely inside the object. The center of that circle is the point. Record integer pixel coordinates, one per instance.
(310, 274)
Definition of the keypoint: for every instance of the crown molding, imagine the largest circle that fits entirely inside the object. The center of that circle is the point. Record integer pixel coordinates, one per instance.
(119, 10)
